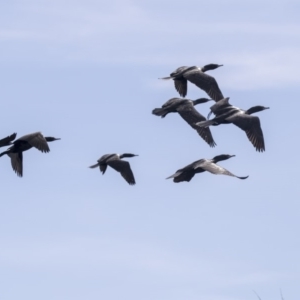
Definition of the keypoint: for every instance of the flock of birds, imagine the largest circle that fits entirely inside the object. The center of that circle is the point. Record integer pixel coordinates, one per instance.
(224, 112)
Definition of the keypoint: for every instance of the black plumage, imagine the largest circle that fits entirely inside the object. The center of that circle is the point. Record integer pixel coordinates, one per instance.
(7, 140)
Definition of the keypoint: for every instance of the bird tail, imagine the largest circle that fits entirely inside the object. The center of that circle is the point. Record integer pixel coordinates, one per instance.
(166, 78)
(173, 176)
(159, 112)
(51, 139)
(244, 177)
(94, 166)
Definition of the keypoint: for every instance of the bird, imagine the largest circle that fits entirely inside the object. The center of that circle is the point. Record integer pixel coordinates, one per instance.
(197, 76)
(24, 143)
(226, 113)
(115, 161)
(202, 165)
(185, 108)
(7, 140)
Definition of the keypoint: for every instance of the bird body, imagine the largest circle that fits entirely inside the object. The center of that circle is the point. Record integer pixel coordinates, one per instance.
(202, 165)
(225, 113)
(187, 111)
(197, 76)
(115, 161)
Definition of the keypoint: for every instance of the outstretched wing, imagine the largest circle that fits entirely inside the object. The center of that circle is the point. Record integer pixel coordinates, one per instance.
(36, 140)
(123, 167)
(16, 160)
(251, 125)
(181, 86)
(216, 169)
(192, 116)
(204, 82)
(7, 140)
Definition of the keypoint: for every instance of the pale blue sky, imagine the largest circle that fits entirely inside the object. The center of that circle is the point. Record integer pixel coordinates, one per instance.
(87, 72)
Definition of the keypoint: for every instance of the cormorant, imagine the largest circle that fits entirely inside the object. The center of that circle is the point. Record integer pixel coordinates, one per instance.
(115, 161)
(202, 165)
(185, 108)
(226, 113)
(24, 143)
(197, 76)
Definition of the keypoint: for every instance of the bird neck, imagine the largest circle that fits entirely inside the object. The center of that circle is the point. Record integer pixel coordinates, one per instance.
(127, 155)
(201, 100)
(221, 157)
(210, 67)
(254, 109)
(51, 139)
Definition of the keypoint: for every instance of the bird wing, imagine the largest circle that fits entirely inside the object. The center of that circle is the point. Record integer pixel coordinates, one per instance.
(123, 167)
(36, 140)
(16, 160)
(181, 86)
(180, 70)
(102, 161)
(216, 169)
(220, 105)
(251, 125)
(103, 168)
(192, 116)
(204, 82)
(6, 141)
(171, 102)
(179, 176)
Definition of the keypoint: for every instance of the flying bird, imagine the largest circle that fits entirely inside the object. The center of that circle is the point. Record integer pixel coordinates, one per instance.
(185, 108)
(225, 113)
(24, 143)
(115, 161)
(202, 165)
(197, 76)
(7, 140)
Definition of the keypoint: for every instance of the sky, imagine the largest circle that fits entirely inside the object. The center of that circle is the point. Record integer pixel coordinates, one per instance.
(87, 72)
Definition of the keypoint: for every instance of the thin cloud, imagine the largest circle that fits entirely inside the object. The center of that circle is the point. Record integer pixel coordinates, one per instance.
(125, 32)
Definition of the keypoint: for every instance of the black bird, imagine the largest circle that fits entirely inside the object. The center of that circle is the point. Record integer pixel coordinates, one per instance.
(197, 76)
(7, 140)
(24, 143)
(115, 161)
(226, 113)
(202, 165)
(185, 108)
